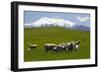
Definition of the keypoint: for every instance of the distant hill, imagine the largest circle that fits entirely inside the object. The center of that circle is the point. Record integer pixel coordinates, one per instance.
(82, 27)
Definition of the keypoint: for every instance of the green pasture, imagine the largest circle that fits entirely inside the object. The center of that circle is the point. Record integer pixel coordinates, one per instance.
(43, 35)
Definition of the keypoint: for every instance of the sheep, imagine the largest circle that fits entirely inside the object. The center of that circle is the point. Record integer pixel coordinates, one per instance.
(77, 42)
(55, 49)
(31, 46)
(50, 47)
(77, 45)
(69, 46)
(61, 47)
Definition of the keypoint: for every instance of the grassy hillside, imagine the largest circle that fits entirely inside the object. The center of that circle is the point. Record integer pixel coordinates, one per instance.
(56, 35)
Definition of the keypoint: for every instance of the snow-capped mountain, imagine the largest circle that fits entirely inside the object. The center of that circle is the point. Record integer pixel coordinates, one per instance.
(46, 21)
(54, 21)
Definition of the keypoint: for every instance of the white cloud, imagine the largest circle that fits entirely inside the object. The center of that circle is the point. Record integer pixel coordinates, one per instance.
(83, 19)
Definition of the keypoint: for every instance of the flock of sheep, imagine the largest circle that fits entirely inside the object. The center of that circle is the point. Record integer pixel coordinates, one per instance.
(67, 46)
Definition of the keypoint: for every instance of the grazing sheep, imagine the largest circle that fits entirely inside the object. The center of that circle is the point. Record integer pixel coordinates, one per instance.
(55, 49)
(77, 42)
(69, 46)
(49, 47)
(77, 45)
(31, 46)
(61, 47)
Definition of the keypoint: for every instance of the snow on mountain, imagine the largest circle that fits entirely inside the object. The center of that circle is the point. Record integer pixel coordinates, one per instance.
(46, 21)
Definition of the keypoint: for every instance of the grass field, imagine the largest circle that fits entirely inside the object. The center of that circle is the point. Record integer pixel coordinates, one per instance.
(56, 35)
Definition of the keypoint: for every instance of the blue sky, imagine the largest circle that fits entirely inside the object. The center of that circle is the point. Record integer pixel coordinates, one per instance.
(78, 18)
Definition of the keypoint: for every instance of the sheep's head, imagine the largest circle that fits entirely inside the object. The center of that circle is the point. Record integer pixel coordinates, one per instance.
(79, 41)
